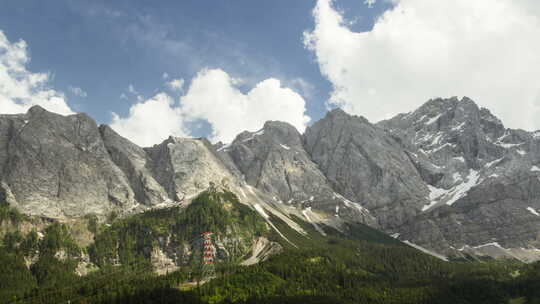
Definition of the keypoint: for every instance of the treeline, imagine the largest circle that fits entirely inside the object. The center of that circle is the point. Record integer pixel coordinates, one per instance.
(363, 273)
(28, 263)
(43, 268)
(362, 266)
(339, 273)
(133, 238)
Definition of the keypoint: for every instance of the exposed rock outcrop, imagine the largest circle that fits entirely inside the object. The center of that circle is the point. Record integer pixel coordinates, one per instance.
(366, 165)
(448, 177)
(483, 178)
(274, 161)
(57, 166)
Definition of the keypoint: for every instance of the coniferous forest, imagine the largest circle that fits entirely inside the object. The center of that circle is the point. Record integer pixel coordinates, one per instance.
(362, 266)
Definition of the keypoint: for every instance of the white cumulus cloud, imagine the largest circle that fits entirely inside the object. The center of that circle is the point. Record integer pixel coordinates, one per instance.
(419, 49)
(19, 88)
(151, 121)
(213, 97)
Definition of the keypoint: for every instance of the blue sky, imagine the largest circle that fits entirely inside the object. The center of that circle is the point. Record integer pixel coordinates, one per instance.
(104, 46)
(414, 53)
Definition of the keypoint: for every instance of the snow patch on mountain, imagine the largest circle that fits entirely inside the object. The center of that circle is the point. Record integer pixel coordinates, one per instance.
(224, 147)
(311, 218)
(421, 119)
(533, 211)
(434, 119)
(491, 163)
(424, 250)
(508, 145)
(521, 152)
(253, 135)
(434, 195)
(441, 147)
(261, 211)
(450, 196)
(494, 244)
(458, 127)
(437, 139)
(460, 190)
(242, 192)
(350, 204)
(285, 147)
(494, 249)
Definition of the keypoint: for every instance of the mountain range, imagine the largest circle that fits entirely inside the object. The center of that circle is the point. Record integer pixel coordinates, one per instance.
(448, 178)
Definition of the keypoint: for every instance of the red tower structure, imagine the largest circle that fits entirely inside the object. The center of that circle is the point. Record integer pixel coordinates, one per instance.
(209, 253)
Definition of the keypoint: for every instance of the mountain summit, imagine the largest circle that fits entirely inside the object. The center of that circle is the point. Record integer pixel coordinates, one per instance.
(448, 176)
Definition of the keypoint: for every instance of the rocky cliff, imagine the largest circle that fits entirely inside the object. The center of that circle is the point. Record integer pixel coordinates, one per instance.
(274, 161)
(57, 166)
(483, 180)
(448, 177)
(366, 165)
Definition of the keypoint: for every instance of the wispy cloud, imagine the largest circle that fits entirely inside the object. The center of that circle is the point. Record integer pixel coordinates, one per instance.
(78, 91)
(132, 90)
(176, 84)
(301, 85)
(370, 3)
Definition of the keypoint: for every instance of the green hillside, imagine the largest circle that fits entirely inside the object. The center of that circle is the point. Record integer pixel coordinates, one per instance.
(356, 265)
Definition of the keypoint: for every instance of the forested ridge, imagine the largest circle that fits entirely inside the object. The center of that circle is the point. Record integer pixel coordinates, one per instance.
(360, 266)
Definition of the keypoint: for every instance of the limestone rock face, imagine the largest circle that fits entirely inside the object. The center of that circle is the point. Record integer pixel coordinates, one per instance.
(187, 166)
(483, 179)
(57, 166)
(135, 163)
(448, 176)
(65, 166)
(366, 165)
(274, 161)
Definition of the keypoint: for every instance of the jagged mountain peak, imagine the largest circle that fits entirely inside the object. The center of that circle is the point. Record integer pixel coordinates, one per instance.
(448, 166)
(449, 103)
(474, 168)
(279, 125)
(177, 139)
(36, 109)
(53, 161)
(488, 117)
(276, 132)
(275, 161)
(447, 125)
(442, 112)
(362, 162)
(452, 108)
(338, 114)
(36, 112)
